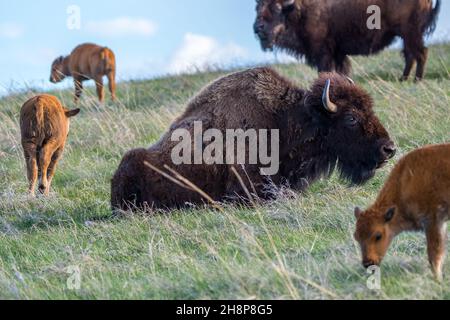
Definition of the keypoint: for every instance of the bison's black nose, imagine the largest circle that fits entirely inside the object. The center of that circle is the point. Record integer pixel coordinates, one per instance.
(389, 150)
(368, 263)
(259, 29)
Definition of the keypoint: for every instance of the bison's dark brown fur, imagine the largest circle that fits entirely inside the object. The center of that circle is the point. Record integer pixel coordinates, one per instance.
(416, 197)
(313, 140)
(327, 32)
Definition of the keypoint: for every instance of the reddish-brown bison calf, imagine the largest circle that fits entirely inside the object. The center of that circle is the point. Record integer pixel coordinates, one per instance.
(44, 125)
(87, 62)
(416, 197)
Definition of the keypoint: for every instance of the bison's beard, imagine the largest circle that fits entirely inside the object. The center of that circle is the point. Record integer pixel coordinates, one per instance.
(266, 43)
(357, 174)
(269, 41)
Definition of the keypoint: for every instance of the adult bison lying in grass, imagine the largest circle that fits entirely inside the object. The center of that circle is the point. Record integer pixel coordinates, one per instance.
(326, 32)
(87, 62)
(416, 197)
(330, 125)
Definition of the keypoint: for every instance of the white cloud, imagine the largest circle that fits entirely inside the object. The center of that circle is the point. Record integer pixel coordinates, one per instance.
(120, 27)
(11, 30)
(200, 52)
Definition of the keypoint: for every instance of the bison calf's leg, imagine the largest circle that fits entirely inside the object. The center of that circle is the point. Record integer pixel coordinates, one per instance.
(45, 159)
(112, 85)
(78, 89)
(32, 168)
(436, 239)
(100, 91)
(52, 166)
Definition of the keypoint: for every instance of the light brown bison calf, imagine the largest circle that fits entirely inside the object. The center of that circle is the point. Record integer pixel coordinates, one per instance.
(416, 197)
(87, 62)
(44, 125)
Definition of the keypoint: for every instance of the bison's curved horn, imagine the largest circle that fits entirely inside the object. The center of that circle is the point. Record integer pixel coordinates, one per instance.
(351, 80)
(327, 103)
(288, 3)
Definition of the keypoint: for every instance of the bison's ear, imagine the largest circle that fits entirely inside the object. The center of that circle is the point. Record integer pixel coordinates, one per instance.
(72, 113)
(389, 215)
(350, 80)
(358, 212)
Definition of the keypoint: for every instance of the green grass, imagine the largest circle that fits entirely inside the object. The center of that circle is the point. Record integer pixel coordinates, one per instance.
(299, 246)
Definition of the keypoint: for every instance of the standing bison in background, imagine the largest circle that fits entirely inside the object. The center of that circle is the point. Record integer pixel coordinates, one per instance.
(87, 62)
(326, 32)
(330, 125)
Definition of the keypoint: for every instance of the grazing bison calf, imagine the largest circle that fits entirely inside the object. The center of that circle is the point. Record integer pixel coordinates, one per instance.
(44, 125)
(330, 125)
(87, 62)
(415, 197)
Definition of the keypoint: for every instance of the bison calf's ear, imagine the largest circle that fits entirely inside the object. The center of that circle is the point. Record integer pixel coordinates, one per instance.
(358, 212)
(72, 113)
(389, 215)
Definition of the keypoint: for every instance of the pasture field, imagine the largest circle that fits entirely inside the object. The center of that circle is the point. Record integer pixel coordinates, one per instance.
(298, 247)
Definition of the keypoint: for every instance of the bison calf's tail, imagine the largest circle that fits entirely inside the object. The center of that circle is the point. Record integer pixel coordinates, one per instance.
(431, 23)
(107, 57)
(39, 111)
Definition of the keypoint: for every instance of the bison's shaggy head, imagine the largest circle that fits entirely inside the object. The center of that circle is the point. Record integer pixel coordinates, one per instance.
(57, 72)
(353, 136)
(271, 22)
(374, 234)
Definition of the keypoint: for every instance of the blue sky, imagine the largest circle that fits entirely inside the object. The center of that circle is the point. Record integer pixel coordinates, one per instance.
(150, 37)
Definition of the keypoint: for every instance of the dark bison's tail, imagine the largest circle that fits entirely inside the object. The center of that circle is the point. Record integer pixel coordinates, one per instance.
(431, 23)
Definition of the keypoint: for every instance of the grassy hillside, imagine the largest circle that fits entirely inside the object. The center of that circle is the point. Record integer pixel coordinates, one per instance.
(300, 246)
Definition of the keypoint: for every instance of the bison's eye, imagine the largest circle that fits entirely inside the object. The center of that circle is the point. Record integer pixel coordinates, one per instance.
(378, 237)
(351, 120)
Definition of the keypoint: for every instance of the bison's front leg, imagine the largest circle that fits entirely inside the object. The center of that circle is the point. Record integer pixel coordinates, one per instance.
(409, 64)
(245, 180)
(344, 66)
(100, 91)
(422, 58)
(78, 89)
(326, 63)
